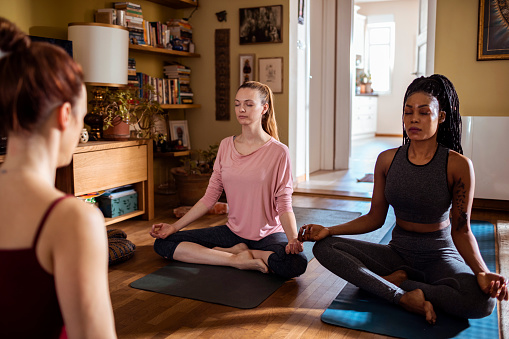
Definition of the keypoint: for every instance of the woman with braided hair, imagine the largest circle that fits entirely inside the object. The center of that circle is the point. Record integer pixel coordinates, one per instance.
(433, 259)
(254, 170)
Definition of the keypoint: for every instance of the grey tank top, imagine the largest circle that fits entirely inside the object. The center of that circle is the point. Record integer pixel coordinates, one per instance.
(419, 193)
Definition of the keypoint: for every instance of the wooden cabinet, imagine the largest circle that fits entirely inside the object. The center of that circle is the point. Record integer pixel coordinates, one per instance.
(100, 165)
(364, 114)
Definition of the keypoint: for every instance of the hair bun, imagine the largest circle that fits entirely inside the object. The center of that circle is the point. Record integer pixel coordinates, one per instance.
(12, 39)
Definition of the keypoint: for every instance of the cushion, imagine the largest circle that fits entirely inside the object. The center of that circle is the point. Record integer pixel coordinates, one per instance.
(120, 250)
(115, 233)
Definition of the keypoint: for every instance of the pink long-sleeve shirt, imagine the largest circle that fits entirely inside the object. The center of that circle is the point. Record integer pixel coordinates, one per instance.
(258, 187)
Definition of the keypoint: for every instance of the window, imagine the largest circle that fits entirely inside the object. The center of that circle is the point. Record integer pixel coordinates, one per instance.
(380, 48)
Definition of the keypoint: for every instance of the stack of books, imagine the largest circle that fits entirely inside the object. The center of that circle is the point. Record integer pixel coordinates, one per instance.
(132, 79)
(181, 29)
(133, 21)
(183, 76)
(166, 90)
(157, 34)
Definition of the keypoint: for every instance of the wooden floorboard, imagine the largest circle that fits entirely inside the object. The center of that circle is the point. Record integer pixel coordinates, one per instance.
(293, 311)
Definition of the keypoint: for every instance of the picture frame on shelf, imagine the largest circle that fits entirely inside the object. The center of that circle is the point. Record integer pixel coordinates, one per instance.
(180, 131)
(270, 72)
(246, 68)
(493, 33)
(261, 25)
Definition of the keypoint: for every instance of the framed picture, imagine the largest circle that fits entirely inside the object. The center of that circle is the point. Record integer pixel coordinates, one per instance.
(493, 38)
(246, 68)
(179, 131)
(261, 24)
(271, 73)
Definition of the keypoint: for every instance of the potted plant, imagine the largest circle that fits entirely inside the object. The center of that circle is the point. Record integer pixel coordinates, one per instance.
(124, 107)
(192, 179)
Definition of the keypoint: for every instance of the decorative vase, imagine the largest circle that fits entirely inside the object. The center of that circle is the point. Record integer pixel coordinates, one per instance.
(84, 136)
(119, 131)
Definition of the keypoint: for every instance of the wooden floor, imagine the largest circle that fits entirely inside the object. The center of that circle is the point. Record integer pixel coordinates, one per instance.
(293, 311)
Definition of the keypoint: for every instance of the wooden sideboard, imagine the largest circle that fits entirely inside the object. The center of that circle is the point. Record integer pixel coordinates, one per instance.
(100, 165)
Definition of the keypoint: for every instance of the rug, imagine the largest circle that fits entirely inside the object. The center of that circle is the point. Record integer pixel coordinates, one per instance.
(322, 217)
(226, 285)
(369, 177)
(360, 310)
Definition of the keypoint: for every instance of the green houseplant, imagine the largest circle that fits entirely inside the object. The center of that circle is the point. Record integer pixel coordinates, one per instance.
(192, 179)
(124, 107)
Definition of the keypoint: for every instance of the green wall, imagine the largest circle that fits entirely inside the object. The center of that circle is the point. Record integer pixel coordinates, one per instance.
(50, 18)
(481, 85)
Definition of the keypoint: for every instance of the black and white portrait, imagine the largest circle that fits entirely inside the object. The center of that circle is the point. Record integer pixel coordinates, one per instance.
(261, 24)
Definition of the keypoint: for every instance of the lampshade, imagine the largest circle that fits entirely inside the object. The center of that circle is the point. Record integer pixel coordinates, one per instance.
(102, 51)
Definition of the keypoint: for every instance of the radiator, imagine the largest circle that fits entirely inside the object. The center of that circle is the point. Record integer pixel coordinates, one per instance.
(485, 142)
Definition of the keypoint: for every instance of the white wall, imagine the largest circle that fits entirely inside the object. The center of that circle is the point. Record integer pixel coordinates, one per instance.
(406, 17)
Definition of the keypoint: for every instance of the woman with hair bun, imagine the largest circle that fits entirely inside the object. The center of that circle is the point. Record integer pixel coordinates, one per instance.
(254, 170)
(53, 248)
(433, 260)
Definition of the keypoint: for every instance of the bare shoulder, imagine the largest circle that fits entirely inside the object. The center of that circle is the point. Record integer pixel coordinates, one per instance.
(75, 218)
(384, 160)
(459, 164)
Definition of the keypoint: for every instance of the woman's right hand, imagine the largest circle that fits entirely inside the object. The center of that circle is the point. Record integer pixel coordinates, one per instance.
(162, 230)
(313, 232)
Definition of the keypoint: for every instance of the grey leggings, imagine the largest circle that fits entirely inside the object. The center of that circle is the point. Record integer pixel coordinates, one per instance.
(430, 260)
(285, 265)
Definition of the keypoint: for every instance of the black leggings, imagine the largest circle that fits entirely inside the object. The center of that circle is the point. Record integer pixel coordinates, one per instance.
(285, 265)
(430, 260)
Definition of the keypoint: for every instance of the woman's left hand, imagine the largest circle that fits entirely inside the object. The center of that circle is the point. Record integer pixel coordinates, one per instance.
(294, 246)
(493, 284)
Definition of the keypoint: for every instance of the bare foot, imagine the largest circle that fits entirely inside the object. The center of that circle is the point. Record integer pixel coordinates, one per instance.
(415, 302)
(245, 261)
(241, 247)
(396, 277)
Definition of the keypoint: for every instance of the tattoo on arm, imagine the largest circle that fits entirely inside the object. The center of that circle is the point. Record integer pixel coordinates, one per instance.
(460, 201)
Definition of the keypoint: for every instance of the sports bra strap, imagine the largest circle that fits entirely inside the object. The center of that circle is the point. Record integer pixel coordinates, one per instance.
(46, 214)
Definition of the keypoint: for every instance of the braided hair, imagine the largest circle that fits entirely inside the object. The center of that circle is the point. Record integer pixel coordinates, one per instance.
(441, 88)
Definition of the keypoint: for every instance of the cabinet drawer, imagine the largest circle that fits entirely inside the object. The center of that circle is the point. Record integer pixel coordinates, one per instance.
(99, 170)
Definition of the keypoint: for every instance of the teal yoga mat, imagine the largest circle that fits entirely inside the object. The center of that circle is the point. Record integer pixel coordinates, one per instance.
(360, 310)
(225, 285)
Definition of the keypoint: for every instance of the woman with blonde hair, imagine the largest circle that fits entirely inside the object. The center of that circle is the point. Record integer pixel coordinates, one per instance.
(254, 170)
(53, 247)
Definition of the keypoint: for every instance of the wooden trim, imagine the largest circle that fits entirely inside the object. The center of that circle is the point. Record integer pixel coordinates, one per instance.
(323, 193)
(180, 106)
(491, 204)
(389, 135)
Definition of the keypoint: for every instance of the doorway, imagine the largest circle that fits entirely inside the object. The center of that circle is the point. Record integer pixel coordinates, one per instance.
(362, 151)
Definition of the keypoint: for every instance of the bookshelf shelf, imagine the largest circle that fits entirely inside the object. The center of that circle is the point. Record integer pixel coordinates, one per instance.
(156, 50)
(176, 3)
(172, 154)
(180, 106)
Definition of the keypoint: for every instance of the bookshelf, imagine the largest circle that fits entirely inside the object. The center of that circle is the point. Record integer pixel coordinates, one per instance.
(162, 51)
(178, 4)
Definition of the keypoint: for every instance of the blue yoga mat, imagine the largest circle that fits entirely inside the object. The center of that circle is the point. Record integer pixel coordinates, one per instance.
(359, 310)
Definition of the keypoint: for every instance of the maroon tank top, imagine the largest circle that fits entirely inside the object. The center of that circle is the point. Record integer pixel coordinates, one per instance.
(28, 299)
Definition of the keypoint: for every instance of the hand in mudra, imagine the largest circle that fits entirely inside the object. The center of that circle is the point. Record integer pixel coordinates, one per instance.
(493, 284)
(162, 230)
(313, 232)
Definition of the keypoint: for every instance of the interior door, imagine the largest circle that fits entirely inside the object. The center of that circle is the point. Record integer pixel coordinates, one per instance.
(426, 38)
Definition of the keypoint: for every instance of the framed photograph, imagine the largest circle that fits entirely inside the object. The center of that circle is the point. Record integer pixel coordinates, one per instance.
(246, 68)
(261, 24)
(179, 131)
(493, 38)
(271, 73)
